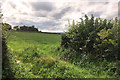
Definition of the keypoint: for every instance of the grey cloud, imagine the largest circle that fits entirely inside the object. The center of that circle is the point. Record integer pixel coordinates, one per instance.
(61, 13)
(113, 15)
(96, 14)
(24, 3)
(37, 6)
(40, 14)
(27, 22)
(12, 19)
(24, 13)
(21, 12)
(106, 3)
(94, 3)
(13, 23)
(50, 12)
(12, 5)
(49, 25)
(24, 22)
(78, 10)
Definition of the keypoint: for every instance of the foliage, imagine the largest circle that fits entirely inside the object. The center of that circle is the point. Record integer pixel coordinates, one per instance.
(40, 58)
(26, 28)
(93, 40)
(5, 29)
(95, 36)
(6, 66)
(89, 50)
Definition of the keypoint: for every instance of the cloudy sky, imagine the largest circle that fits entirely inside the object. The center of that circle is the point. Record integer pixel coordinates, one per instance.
(53, 16)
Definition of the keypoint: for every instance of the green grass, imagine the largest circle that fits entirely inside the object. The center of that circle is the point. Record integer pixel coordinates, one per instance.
(18, 41)
(35, 55)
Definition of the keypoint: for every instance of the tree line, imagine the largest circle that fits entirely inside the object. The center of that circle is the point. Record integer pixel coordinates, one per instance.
(25, 28)
(21, 28)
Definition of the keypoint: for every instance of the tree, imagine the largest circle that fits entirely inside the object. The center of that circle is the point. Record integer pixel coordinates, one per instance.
(26, 28)
(16, 28)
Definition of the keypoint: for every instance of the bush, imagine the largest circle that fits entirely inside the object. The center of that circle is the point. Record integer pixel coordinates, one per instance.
(6, 66)
(95, 36)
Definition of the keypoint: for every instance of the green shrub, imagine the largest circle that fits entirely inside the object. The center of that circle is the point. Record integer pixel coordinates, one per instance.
(6, 66)
(95, 36)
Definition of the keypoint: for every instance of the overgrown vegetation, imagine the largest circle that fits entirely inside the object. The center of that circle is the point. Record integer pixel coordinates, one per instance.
(6, 66)
(88, 50)
(39, 58)
(94, 38)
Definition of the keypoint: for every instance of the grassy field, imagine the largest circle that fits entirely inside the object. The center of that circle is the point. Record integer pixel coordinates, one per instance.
(35, 55)
(44, 43)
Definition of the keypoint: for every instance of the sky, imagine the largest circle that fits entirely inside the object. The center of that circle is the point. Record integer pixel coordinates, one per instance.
(53, 15)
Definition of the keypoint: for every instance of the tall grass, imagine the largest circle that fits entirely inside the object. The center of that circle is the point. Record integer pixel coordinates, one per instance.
(36, 55)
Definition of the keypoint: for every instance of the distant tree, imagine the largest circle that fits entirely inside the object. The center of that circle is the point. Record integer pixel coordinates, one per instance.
(16, 27)
(27, 28)
(32, 26)
(40, 31)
